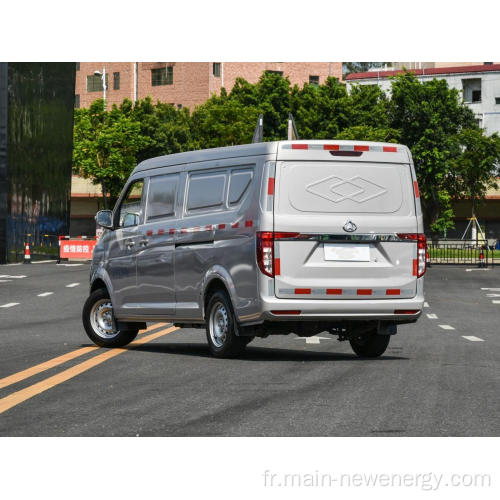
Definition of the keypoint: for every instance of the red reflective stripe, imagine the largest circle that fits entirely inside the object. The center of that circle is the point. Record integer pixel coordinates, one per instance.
(286, 312)
(277, 267)
(300, 146)
(361, 148)
(235, 225)
(334, 291)
(415, 187)
(149, 233)
(302, 291)
(171, 231)
(390, 149)
(406, 311)
(270, 186)
(331, 147)
(415, 267)
(364, 291)
(161, 231)
(208, 227)
(393, 291)
(222, 226)
(248, 223)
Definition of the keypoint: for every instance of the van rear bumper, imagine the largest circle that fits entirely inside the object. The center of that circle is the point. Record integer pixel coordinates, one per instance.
(274, 309)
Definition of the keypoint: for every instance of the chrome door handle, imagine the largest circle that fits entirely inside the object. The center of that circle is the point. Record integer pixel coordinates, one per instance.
(143, 242)
(130, 244)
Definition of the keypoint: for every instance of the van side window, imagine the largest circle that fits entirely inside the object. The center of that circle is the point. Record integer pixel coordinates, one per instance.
(206, 191)
(161, 199)
(130, 208)
(238, 185)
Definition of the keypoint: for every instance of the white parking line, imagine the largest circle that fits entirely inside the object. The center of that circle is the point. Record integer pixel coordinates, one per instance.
(10, 304)
(492, 289)
(4, 281)
(44, 294)
(446, 327)
(496, 301)
(426, 304)
(476, 269)
(312, 340)
(16, 276)
(71, 285)
(432, 316)
(472, 338)
(70, 265)
(44, 261)
(493, 295)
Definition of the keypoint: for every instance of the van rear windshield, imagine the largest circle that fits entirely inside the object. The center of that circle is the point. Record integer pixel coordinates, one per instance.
(345, 187)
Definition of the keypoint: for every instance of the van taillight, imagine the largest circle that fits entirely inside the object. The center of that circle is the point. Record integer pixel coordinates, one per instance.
(265, 252)
(265, 249)
(421, 262)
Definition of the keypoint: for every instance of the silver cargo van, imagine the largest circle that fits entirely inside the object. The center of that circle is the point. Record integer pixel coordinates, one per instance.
(262, 239)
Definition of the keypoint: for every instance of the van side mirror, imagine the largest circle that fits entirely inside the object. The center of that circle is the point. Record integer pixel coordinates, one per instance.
(105, 218)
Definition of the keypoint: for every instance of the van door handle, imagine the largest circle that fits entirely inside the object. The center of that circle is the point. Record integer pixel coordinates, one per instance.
(144, 242)
(129, 244)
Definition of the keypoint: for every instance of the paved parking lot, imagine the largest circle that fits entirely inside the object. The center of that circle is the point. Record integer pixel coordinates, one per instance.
(438, 378)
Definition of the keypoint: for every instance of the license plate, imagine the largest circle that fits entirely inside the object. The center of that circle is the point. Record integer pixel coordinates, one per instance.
(347, 252)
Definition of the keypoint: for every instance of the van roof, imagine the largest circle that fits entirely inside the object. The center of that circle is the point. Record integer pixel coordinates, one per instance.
(285, 150)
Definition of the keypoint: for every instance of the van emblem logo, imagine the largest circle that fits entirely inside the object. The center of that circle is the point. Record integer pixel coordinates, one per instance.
(335, 188)
(350, 227)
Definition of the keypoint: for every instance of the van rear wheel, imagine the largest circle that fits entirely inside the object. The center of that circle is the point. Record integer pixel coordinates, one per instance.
(221, 327)
(370, 344)
(99, 324)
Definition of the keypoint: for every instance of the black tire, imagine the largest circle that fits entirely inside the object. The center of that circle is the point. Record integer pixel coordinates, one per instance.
(222, 342)
(369, 345)
(99, 337)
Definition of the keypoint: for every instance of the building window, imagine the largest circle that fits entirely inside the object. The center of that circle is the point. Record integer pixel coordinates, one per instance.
(497, 100)
(314, 80)
(77, 66)
(272, 72)
(488, 63)
(162, 76)
(94, 83)
(472, 89)
(77, 101)
(179, 106)
(116, 81)
(216, 69)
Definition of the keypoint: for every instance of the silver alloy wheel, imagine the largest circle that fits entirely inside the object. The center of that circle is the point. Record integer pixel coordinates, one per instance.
(101, 319)
(218, 324)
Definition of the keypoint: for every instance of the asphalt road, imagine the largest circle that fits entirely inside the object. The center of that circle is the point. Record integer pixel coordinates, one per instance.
(436, 378)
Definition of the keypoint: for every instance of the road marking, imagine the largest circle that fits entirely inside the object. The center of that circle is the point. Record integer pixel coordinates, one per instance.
(492, 289)
(71, 285)
(52, 363)
(22, 395)
(446, 327)
(45, 294)
(432, 316)
(10, 304)
(426, 304)
(493, 295)
(43, 261)
(70, 265)
(15, 276)
(313, 340)
(476, 269)
(4, 281)
(472, 338)
(495, 301)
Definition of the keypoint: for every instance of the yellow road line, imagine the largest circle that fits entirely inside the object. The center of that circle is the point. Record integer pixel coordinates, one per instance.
(18, 397)
(59, 360)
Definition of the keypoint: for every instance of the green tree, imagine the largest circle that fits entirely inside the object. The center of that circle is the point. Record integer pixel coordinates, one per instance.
(430, 117)
(105, 147)
(476, 169)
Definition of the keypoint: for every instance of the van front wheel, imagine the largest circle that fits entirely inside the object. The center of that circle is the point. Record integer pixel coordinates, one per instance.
(370, 344)
(99, 324)
(221, 327)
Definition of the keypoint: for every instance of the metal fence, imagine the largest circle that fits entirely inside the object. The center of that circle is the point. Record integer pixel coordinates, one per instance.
(462, 252)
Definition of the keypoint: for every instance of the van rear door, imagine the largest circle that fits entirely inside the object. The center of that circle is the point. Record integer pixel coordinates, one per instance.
(336, 227)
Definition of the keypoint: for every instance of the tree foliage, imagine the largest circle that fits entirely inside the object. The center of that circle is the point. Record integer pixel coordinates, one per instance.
(452, 156)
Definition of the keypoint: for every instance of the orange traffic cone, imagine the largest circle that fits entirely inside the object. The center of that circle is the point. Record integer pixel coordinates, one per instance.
(27, 256)
(482, 263)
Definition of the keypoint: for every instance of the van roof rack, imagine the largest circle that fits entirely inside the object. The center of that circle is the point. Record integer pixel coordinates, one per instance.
(258, 134)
